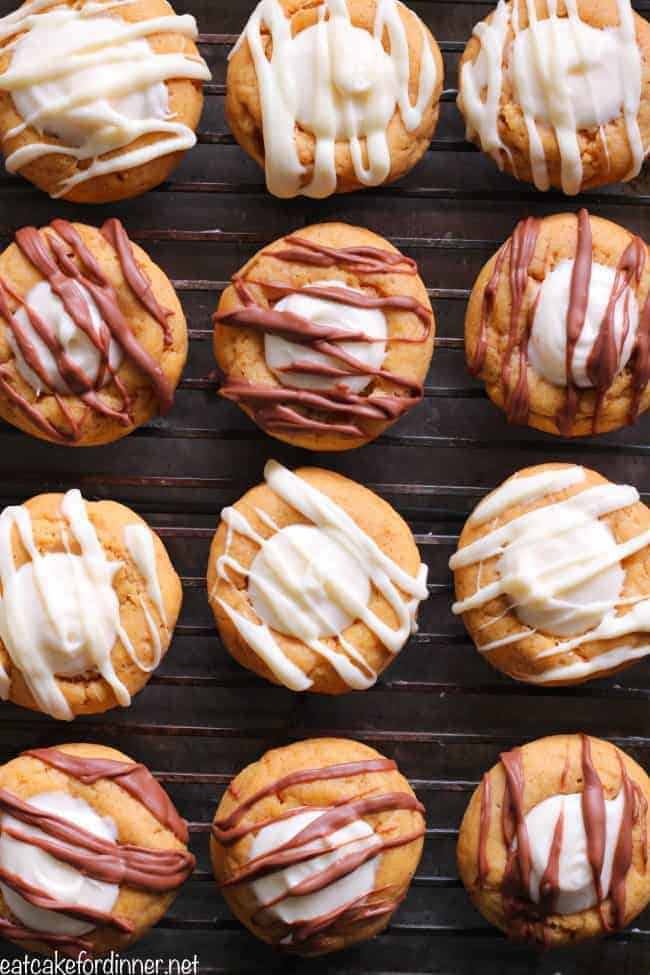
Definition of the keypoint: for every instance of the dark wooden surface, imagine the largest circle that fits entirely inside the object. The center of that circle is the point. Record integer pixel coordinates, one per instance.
(441, 712)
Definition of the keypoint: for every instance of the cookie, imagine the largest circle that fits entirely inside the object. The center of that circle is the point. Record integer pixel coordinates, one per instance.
(314, 846)
(552, 576)
(553, 848)
(558, 94)
(325, 337)
(314, 581)
(558, 325)
(335, 96)
(99, 101)
(92, 851)
(93, 339)
(89, 604)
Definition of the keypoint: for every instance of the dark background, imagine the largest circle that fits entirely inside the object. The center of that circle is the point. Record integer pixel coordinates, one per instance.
(440, 711)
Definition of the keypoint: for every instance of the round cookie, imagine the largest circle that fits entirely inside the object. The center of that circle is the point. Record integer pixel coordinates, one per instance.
(89, 603)
(325, 337)
(92, 851)
(334, 97)
(559, 94)
(552, 576)
(361, 822)
(93, 339)
(557, 325)
(98, 102)
(554, 844)
(314, 581)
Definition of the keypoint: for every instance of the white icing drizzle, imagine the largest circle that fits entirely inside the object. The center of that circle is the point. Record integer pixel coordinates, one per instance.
(95, 82)
(561, 569)
(565, 74)
(139, 541)
(337, 82)
(304, 594)
(59, 612)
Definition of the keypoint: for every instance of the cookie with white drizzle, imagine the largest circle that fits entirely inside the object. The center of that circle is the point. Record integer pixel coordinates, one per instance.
(93, 338)
(88, 605)
(325, 337)
(334, 96)
(552, 573)
(558, 325)
(314, 581)
(99, 99)
(314, 845)
(557, 92)
(92, 851)
(553, 848)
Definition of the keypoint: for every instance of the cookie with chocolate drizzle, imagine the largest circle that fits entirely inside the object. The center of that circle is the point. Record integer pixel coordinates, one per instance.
(325, 337)
(93, 339)
(314, 846)
(553, 848)
(558, 325)
(92, 851)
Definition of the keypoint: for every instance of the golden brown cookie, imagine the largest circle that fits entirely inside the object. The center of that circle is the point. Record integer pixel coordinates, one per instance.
(314, 581)
(557, 325)
(552, 576)
(92, 851)
(334, 97)
(553, 848)
(325, 337)
(360, 821)
(542, 88)
(89, 604)
(93, 339)
(98, 104)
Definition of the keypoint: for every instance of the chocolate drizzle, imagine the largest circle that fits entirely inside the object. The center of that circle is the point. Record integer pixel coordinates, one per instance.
(231, 829)
(65, 261)
(281, 409)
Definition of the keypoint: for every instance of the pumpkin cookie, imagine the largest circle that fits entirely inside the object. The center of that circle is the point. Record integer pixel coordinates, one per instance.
(325, 337)
(315, 845)
(559, 93)
(93, 339)
(553, 576)
(92, 851)
(334, 96)
(314, 581)
(89, 604)
(558, 325)
(99, 101)
(553, 848)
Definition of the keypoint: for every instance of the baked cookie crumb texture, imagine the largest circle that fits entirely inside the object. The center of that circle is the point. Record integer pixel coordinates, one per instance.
(325, 337)
(559, 93)
(89, 603)
(315, 845)
(558, 325)
(314, 581)
(92, 851)
(553, 848)
(552, 576)
(334, 96)
(98, 101)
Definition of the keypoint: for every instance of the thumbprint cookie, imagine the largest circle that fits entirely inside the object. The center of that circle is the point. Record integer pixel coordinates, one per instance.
(93, 339)
(314, 581)
(553, 848)
(558, 325)
(99, 101)
(92, 851)
(325, 337)
(89, 603)
(315, 845)
(334, 96)
(552, 576)
(558, 93)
